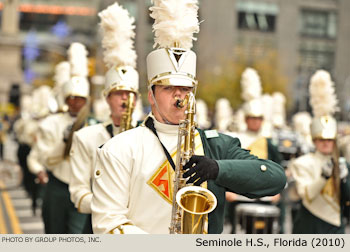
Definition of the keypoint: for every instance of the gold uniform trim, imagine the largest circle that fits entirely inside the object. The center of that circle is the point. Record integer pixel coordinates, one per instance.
(81, 199)
(259, 148)
(307, 195)
(54, 160)
(120, 228)
(116, 87)
(333, 204)
(194, 80)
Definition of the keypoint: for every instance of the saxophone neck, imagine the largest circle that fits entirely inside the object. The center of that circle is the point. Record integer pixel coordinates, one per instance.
(126, 117)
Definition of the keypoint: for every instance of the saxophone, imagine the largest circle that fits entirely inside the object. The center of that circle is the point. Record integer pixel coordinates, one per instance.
(125, 122)
(191, 204)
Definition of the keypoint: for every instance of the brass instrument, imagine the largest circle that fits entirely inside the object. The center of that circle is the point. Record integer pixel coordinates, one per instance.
(191, 204)
(126, 119)
(78, 124)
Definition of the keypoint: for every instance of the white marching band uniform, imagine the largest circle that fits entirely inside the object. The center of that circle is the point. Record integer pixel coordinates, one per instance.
(49, 147)
(129, 189)
(82, 160)
(120, 76)
(315, 192)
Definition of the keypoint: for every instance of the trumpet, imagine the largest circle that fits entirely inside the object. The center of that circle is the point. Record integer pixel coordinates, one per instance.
(126, 119)
(191, 204)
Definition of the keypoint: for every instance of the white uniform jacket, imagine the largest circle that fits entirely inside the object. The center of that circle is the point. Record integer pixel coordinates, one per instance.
(49, 148)
(82, 159)
(132, 159)
(316, 192)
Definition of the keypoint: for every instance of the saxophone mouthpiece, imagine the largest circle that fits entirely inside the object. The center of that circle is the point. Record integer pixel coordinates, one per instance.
(124, 105)
(179, 102)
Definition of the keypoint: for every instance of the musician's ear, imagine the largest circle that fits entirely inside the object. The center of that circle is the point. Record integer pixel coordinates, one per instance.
(150, 98)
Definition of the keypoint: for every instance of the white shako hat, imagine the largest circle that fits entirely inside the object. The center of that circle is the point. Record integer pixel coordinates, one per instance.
(173, 63)
(324, 102)
(78, 84)
(119, 54)
(251, 93)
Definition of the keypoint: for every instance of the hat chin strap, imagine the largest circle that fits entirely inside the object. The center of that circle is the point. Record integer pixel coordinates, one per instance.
(160, 113)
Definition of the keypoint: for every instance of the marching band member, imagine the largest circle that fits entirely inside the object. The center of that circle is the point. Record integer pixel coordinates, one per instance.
(59, 213)
(25, 129)
(253, 138)
(133, 175)
(120, 83)
(322, 178)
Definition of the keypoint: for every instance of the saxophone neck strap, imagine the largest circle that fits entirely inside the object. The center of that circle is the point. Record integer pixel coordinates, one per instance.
(109, 129)
(150, 124)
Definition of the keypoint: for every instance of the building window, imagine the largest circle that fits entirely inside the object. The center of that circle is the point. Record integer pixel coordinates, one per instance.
(321, 24)
(257, 16)
(316, 54)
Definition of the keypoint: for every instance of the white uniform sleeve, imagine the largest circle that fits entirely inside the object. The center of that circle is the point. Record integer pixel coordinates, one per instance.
(81, 166)
(33, 162)
(50, 147)
(111, 192)
(308, 185)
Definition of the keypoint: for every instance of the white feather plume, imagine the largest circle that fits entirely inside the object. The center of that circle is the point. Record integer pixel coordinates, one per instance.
(62, 73)
(301, 122)
(250, 85)
(77, 56)
(323, 99)
(175, 22)
(279, 98)
(118, 34)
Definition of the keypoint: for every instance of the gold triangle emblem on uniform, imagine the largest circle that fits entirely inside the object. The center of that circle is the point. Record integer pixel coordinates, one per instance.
(177, 57)
(259, 148)
(329, 194)
(162, 181)
(328, 189)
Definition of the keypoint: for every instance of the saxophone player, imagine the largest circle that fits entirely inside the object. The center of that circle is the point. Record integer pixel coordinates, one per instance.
(133, 185)
(121, 89)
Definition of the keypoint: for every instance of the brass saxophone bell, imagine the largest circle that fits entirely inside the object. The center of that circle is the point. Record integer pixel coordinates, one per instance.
(196, 202)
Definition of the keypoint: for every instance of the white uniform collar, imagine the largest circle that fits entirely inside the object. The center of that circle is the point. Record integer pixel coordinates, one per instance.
(116, 129)
(163, 127)
(322, 156)
(253, 133)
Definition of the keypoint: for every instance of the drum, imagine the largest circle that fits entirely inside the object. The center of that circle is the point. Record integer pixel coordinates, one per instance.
(254, 218)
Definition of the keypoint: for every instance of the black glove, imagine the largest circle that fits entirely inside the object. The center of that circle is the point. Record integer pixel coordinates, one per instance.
(66, 133)
(327, 169)
(204, 168)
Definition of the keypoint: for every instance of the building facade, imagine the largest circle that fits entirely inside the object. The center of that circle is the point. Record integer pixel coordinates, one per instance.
(304, 35)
